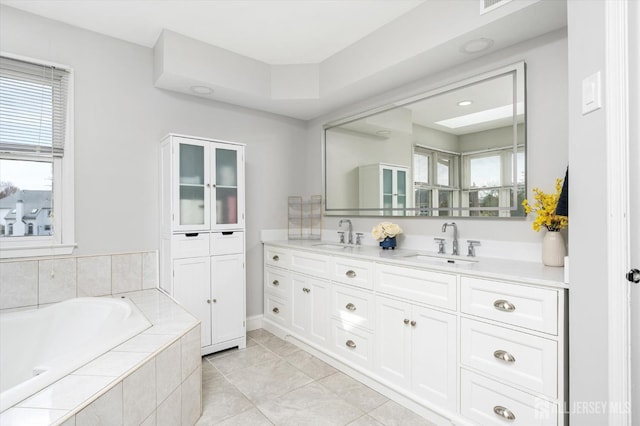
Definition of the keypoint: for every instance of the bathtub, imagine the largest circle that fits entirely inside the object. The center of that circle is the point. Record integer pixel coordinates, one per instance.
(40, 346)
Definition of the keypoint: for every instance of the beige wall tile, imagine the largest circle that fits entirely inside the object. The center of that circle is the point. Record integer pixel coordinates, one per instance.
(170, 410)
(126, 272)
(139, 394)
(18, 284)
(94, 276)
(192, 397)
(104, 411)
(191, 350)
(150, 270)
(56, 280)
(168, 371)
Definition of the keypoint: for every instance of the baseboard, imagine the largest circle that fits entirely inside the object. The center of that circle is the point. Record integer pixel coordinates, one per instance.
(254, 322)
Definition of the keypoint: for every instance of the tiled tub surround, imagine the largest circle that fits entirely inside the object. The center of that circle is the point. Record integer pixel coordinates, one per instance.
(40, 346)
(153, 378)
(30, 283)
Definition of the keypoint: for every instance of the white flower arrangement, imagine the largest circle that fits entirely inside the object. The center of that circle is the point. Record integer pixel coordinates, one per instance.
(385, 230)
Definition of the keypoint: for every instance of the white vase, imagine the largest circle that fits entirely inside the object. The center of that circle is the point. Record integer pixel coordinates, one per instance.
(553, 249)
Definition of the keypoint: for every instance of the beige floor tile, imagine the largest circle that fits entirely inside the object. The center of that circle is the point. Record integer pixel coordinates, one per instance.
(221, 400)
(268, 380)
(312, 404)
(365, 420)
(259, 334)
(279, 346)
(251, 417)
(310, 365)
(242, 359)
(354, 392)
(209, 372)
(394, 414)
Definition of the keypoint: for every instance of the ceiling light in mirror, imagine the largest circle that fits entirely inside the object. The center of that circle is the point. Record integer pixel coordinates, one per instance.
(201, 90)
(464, 103)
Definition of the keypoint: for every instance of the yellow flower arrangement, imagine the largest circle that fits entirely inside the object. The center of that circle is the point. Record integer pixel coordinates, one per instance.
(545, 209)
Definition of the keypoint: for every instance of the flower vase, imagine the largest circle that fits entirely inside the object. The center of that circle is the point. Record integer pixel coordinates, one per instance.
(388, 243)
(553, 249)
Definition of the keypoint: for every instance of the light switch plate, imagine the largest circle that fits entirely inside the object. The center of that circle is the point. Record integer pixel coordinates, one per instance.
(591, 93)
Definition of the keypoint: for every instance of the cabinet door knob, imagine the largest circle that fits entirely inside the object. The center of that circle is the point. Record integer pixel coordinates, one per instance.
(276, 283)
(406, 321)
(351, 274)
(504, 356)
(209, 301)
(351, 344)
(276, 310)
(413, 323)
(504, 305)
(306, 290)
(351, 306)
(275, 257)
(215, 300)
(504, 412)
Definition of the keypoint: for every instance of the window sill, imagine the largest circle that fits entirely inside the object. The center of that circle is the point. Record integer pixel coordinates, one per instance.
(14, 251)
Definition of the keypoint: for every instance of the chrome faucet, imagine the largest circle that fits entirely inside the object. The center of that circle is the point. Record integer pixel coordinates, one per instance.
(349, 230)
(455, 236)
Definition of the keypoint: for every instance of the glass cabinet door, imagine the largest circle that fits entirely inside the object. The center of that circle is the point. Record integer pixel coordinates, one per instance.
(192, 192)
(401, 191)
(228, 174)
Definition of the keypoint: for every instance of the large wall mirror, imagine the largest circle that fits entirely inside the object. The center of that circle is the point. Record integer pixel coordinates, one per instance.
(454, 151)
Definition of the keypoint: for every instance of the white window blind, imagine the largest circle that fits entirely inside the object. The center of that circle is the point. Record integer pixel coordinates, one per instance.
(33, 107)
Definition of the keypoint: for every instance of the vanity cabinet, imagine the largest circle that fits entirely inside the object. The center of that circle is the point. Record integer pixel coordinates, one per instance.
(468, 347)
(202, 253)
(415, 348)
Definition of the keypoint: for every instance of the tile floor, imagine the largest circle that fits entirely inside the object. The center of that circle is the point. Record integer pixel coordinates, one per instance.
(273, 382)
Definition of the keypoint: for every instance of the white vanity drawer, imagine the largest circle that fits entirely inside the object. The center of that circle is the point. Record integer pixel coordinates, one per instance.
(354, 272)
(229, 242)
(276, 256)
(352, 305)
(277, 283)
(525, 306)
(419, 285)
(310, 263)
(190, 244)
(352, 344)
(510, 356)
(277, 310)
(488, 403)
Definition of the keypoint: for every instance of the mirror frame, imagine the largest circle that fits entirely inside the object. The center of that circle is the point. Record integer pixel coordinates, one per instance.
(518, 70)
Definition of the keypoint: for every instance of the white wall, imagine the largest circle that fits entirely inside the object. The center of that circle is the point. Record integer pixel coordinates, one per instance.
(119, 120)
(546, 59)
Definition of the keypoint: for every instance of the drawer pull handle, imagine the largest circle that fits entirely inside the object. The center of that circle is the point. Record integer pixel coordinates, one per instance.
(406, 321)
(351, 306)
(191, 234)
(504, 412)
(276, 310)
(351, 274)
(275, 257)
(504, 356)
(504, 305)
(351, 344)
(276, 283)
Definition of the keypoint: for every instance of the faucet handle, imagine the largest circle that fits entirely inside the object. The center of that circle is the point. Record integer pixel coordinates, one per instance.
(472, 247)
(359, 238)
(440, 242)
(341, 236)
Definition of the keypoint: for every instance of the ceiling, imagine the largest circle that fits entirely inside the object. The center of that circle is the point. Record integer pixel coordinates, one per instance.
(302, 58)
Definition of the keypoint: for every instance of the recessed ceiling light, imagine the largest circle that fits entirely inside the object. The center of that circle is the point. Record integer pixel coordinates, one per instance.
(477, 45)
(383, 132)
(201, 90)
(465, 103)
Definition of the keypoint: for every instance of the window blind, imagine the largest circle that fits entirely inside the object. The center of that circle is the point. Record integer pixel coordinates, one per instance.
(33, 106)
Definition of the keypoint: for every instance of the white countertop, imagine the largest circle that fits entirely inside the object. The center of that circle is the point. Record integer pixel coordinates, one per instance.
(484, 267)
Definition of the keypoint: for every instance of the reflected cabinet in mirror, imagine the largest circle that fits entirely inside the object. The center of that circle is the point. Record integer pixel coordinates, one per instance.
(454, 151)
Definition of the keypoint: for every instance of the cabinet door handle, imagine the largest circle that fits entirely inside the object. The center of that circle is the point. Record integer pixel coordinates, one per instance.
(276, 310)
(504, 412)
(351, 306)
(504, 356)
(406, 321)
(351, 273)
(350, 343)
(306, 290)
(413, 323)
(276, 283)
(275, 257)
(504, 305)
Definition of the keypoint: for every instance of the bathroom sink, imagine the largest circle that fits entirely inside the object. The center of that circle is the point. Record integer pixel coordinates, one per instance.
(440, 259)
(330, 246)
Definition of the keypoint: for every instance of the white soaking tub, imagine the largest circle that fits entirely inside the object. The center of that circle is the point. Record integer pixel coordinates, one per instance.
(40, 346)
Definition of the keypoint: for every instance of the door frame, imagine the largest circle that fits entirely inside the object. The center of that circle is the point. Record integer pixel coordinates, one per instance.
(618, 258)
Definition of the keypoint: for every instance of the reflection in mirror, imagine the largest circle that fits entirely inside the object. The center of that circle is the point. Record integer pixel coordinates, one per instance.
(456, 151)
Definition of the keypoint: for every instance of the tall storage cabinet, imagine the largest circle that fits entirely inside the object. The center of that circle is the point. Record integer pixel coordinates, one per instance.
(202, 247)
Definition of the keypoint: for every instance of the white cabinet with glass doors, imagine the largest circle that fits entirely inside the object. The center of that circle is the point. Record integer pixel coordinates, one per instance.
(390, 193)
(202, 249)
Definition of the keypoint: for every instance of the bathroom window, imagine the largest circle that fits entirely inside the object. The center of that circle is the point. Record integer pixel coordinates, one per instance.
(36, 158)
(435, 177)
